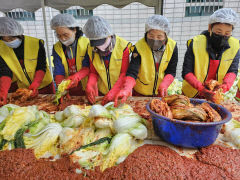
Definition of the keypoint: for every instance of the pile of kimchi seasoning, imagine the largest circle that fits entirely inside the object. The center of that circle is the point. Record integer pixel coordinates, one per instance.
(147, 162)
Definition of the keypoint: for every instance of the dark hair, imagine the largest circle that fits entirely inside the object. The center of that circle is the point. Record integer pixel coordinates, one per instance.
(78, 30)
(221, 23)
(145, 35)
(20, 37)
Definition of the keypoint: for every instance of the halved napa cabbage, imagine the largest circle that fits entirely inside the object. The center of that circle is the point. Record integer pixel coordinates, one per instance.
(20, 117)
(44, 142)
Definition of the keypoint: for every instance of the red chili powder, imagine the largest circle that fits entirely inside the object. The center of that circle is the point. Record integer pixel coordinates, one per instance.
(147, 162)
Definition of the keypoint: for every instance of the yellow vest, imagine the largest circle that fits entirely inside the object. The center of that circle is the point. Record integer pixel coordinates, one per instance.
(81, 51)
(201, 62)
(109, 76)
(148, 80)
(31, 48)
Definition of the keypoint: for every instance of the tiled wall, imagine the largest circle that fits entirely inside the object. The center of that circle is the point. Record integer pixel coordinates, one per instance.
(129, 22)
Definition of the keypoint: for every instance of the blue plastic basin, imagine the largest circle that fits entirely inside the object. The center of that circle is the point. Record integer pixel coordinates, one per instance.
(189, 134)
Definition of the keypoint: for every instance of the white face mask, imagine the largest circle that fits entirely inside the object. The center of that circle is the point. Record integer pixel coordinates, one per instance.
(13, 44)
(69, 41)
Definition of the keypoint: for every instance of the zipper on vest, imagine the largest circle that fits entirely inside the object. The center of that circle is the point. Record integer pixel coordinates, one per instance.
(26, 74)
(156, 75)
(108, 79)
(155, 84)
(76, 56)
(218, 69)
(108, 75)
(74, 60)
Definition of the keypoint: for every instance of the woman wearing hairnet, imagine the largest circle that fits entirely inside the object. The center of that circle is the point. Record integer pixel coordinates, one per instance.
(213, 55)
(153, 62)
(22, 61)
(109, 59)
(69, 52)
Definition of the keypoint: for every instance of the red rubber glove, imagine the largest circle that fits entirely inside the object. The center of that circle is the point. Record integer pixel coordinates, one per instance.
(193, 81)
(162, 89)
(39, 75)
(92, 88)
(78, 76)
(113, 92)
(228, 81)
(5, 83)
(238, 95)
(126, 91)
(59, 79)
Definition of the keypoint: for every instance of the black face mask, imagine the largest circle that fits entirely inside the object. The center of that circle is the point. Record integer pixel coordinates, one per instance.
(108, 49)
(218, 41)
(155, 44)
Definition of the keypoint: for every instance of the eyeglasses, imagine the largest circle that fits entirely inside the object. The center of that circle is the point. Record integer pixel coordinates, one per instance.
(64, 36)
(8, 38)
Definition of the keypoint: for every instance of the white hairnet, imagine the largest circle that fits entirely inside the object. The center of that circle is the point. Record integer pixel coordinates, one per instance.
(10, 27)
(158, 22)
(97, 28)
(224, 15)
(63, 20)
